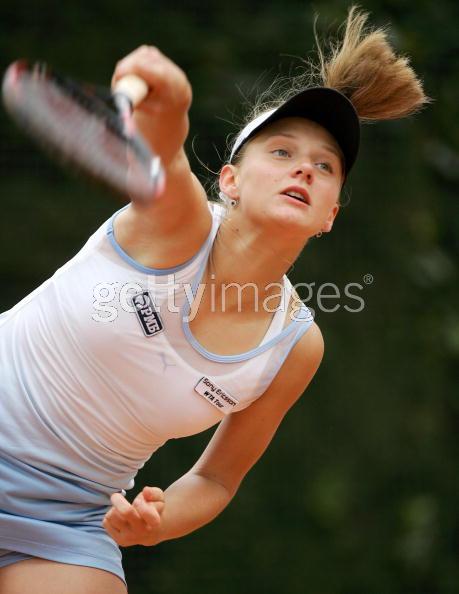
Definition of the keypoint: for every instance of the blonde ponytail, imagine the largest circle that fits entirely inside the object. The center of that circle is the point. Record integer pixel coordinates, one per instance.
(364, 67)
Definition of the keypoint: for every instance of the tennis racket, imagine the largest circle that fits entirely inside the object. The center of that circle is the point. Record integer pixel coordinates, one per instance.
(90, 128)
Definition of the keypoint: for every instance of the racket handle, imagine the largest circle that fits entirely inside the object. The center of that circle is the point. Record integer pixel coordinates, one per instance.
(133, 87)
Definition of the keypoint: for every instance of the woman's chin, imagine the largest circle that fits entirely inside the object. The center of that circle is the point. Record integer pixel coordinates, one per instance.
(292, 219)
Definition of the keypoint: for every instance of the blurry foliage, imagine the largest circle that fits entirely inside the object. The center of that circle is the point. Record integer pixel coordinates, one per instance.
(358, 491)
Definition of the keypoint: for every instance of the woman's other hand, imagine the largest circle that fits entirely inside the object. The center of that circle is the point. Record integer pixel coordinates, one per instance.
(138, 523)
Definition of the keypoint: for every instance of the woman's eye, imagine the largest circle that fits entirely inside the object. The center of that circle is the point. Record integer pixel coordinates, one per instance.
(326, 166)
(280, 153)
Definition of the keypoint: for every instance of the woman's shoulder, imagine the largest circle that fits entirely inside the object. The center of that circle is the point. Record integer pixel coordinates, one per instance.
(296, 372)
(311, 345)
(302, 363)
(309, 348)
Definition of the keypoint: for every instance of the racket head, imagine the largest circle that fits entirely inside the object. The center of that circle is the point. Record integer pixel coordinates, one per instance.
(80, 126)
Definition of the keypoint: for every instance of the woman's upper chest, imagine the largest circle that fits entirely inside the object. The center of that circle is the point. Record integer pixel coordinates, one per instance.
(232, 332)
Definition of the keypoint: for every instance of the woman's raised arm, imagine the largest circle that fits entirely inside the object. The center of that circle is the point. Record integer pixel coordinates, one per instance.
(148, 231)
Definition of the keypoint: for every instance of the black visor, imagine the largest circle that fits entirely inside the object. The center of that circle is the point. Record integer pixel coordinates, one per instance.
(327, 107)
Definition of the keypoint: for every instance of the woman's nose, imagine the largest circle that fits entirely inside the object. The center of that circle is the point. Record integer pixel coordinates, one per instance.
(304, 170)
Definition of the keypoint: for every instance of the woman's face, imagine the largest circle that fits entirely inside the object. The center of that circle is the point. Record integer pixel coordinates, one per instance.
(289, 176)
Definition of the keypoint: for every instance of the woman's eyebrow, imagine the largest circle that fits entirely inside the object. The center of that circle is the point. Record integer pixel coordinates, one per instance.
(328, 147)
(286, 134)
(331, 149)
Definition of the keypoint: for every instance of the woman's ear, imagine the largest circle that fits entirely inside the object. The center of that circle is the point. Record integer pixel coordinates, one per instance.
(228, 180)
(327, 226)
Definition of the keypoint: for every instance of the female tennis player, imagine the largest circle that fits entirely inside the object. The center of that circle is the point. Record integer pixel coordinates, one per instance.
(175, 317)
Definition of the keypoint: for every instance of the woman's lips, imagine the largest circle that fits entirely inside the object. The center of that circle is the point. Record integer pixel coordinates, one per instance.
(297, 193)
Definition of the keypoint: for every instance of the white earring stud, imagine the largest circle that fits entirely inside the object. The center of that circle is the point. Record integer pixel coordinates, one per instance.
(227, 200)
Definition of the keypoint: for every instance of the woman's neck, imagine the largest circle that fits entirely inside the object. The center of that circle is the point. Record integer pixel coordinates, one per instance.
(253, 262)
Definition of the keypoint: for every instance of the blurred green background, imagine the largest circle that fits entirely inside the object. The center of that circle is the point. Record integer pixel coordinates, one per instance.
(358, 492)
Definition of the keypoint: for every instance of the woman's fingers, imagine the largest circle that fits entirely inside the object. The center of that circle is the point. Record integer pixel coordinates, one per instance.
(124, 515)
(140, 58)
(148, 512)
(135, 524)
(168, 83)
(113, 520)
(153, 493)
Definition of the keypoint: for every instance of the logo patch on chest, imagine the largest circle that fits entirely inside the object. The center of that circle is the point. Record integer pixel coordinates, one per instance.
(146, 313)
(216, 396)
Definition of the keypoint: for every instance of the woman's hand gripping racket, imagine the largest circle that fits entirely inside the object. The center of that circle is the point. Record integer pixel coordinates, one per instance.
(87, 127)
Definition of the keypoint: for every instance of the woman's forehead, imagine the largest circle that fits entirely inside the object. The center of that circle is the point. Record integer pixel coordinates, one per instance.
(299, 127)
(302, 131)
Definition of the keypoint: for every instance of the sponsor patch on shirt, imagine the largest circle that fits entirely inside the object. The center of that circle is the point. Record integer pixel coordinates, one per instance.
(146, 313)
(209, 390)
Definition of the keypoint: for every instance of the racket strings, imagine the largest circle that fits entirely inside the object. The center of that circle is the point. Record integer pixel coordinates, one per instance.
(79, 125)
(100, 103)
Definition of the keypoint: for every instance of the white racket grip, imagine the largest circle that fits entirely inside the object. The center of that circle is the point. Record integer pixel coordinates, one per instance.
(133, 87)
